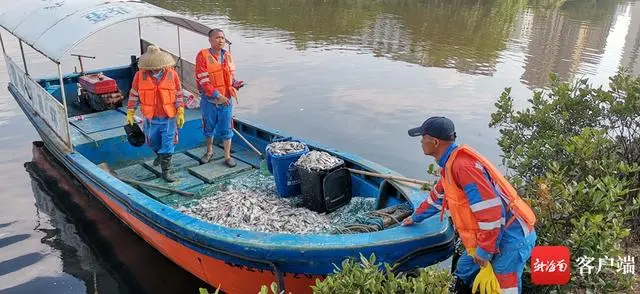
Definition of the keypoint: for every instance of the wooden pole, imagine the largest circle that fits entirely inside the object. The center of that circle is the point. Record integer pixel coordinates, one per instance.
(390, 177)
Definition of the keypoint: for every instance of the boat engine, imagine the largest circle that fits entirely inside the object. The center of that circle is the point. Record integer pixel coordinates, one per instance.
(99, 92)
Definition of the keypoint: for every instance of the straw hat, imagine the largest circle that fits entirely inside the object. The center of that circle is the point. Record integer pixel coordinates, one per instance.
(154, 58)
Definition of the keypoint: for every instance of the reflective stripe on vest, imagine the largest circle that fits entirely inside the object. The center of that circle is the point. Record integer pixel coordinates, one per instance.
(148, 90)
(458, 204)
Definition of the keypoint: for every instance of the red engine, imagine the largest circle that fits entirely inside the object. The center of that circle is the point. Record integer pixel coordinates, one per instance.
(98, 84)
(99, 92)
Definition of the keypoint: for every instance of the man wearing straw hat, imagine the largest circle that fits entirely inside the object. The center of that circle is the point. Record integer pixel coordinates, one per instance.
(157, 88)
(215, 72)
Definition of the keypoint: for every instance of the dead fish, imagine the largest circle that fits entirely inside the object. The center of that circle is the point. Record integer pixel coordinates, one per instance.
(250, 202)
(287, 147)
(318, 160)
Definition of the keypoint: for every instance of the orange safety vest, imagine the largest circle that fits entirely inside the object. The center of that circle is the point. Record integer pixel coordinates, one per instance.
(458, 204)
(148, 90)
(220, 74)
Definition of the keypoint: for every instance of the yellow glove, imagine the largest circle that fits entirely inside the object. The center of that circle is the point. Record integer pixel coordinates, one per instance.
(486, 281)
(180, 119)
(130, 113)
(471, 252)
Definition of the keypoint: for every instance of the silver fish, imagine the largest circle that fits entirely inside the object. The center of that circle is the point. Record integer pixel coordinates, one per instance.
(287, 147)
(318, 160)
(250, 202)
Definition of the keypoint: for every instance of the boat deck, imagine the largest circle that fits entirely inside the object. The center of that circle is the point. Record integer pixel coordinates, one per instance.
(104, 130)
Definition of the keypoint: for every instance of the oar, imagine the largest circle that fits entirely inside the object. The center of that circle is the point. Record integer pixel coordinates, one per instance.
(390, 177)
(106, 168)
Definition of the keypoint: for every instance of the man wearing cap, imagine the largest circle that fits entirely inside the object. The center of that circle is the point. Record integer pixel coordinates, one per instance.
(215, 73)
(157, 88)
(495, 225)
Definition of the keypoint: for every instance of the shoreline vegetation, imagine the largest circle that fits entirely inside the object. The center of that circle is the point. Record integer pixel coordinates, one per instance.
(573, 154)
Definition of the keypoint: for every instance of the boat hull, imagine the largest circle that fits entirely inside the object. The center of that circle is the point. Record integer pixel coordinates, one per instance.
(234, 272)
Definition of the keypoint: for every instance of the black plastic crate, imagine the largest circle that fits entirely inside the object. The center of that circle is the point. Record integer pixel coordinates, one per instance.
(325, 190)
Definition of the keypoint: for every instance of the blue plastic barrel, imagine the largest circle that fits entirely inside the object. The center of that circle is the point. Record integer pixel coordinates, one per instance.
(268, 158)
(285, 173)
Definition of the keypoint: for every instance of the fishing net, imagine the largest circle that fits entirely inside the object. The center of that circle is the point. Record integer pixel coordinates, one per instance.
(376, 220)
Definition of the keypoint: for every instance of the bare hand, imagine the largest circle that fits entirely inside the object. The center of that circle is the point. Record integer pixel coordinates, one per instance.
(223, 100)
(238, 84)
(407, 221)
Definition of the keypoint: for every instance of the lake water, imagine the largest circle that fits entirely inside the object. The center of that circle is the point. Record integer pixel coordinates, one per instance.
(350, 74)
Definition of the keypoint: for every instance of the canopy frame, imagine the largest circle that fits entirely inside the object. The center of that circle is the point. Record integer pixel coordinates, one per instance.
(74, 14)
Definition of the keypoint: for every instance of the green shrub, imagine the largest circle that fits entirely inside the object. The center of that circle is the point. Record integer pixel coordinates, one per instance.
(366, 277)
(574, 155)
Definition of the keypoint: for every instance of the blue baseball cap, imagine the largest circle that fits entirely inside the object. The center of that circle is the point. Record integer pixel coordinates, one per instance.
(436, 126)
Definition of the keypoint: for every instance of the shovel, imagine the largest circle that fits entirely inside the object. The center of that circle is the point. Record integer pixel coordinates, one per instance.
(106, 168)
(263, 164)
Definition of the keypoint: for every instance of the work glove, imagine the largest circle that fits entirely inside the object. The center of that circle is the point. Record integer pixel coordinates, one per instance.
(471, 252)
(130, 113)
(486, 281)
(180, 119)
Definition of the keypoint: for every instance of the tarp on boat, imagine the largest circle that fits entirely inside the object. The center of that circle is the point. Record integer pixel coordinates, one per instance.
(54, 27)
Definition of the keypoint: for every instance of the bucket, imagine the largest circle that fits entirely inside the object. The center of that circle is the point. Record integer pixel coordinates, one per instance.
(284, 172)
(320, 195)
(268, 154)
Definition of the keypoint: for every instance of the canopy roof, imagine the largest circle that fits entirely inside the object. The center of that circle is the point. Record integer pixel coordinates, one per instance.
(54, 27)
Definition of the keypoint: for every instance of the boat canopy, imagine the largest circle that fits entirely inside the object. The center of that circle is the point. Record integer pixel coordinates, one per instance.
(54, 27)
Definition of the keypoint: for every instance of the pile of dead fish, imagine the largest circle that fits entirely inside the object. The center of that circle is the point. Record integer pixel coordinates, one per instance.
(287, 147)
(249, 204)
(248, 209)
(318, 160)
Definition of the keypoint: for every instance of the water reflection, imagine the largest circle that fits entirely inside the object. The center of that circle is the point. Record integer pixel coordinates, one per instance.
(468, 35)
(95, 247)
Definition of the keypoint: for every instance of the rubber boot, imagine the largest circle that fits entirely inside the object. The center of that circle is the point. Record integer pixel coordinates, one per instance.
(165, 163)
(460, 287)
(156, 161)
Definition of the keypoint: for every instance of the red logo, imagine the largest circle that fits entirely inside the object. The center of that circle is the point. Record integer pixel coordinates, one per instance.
(550, 265)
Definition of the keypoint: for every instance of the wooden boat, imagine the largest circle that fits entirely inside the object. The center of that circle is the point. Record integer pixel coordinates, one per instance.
(236, 260)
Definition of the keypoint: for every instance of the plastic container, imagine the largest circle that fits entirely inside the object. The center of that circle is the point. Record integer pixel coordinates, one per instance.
(268, 154)
(191, 101)
(325, 196)
(284, 172)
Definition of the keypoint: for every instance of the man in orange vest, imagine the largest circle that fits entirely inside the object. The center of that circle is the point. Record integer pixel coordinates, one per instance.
(215, 73)
(157, 88)
(495, 225)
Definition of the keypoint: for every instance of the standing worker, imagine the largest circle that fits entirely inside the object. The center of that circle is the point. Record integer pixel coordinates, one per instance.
(156, 86)
(215, 74)
(495, 225)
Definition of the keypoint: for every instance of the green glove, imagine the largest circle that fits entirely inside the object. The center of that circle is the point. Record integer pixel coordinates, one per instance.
(486, 281)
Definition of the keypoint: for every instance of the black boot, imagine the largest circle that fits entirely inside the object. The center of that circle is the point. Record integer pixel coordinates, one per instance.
(156, 161)
(460, 287)
(165, 163)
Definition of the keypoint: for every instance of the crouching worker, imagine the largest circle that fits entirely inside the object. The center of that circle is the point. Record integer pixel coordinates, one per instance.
(157, 88)
(495, 225)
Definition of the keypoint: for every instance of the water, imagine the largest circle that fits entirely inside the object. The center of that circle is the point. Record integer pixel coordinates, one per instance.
(351, 74)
